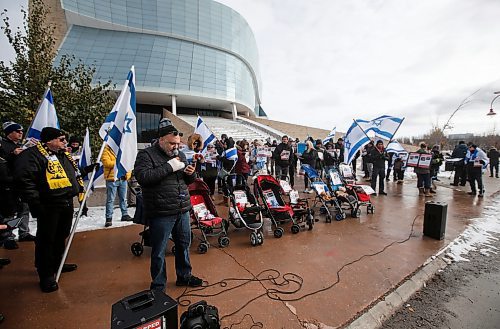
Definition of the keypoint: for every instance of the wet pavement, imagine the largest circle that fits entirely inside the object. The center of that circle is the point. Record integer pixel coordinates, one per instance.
(310, 287)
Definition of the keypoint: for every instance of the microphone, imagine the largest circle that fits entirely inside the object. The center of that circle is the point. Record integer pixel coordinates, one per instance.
(176, 152)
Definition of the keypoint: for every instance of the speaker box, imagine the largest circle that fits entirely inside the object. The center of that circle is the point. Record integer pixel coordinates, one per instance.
(147, 309)
(449, 166)
(435, 219)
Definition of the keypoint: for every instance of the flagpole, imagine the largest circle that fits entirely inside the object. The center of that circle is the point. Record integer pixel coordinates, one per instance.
(80, 210)
(39, 106)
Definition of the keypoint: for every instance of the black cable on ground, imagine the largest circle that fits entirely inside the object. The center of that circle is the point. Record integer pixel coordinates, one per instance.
(273, 276)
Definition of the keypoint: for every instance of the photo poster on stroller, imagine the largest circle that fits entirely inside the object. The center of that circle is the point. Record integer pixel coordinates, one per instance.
(319, 187)
(346, 171)
(270, 198)
(240, 198)
(200, 210)
(294, 196)
(335, 178)
(285, 186)
(367, 189)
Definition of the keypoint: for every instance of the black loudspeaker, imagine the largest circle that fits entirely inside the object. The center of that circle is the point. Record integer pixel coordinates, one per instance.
(147, 309)
(435, 219)
(449, 166)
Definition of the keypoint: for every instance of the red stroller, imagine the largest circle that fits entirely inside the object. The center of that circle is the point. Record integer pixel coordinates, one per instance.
(271, 195)
(204, 216)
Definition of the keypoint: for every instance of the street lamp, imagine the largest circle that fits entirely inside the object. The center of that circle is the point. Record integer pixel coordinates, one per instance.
(491, 112)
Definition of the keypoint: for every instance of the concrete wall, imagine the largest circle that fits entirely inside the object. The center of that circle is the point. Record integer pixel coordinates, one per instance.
(296, 130)
(56, 17)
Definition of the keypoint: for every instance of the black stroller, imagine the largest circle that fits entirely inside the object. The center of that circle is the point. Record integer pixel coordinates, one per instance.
(244, 210)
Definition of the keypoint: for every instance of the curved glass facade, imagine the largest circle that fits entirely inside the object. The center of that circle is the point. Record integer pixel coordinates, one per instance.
(182, 47)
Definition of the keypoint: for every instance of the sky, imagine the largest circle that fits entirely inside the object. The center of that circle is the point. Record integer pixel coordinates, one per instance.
(324, 63)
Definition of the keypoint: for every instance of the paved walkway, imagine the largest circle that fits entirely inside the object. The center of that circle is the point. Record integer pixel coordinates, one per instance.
(108, 271)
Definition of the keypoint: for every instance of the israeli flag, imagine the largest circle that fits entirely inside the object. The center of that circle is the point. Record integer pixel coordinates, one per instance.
(354, 140)
(231, 154)
(86, 153)
(206, 134)
(45, 117)
(385, 126)
(395, 147)
(122, 128)
(331, 135)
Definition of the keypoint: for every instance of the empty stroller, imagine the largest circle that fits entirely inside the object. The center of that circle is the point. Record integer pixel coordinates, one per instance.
(322, 192)
(137, 248)
(271, 194)
(205, 217)
(244, 210)
(362, 192)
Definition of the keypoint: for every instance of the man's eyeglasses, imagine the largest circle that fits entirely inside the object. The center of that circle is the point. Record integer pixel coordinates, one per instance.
(175, 133)
(62, 139)
(19, 131)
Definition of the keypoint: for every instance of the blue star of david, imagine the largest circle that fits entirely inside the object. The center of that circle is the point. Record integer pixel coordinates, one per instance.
(126, 127)
(377, 122)
(347, 144)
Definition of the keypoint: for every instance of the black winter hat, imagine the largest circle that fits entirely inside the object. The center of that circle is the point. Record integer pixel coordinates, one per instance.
(50, 133)
(165, 127)
(11, 126)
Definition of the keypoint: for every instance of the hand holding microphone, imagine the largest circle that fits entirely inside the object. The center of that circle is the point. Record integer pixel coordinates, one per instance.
(176, 164)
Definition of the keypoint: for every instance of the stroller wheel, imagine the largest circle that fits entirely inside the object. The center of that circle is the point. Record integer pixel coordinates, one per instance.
(370, 209)
(339, 216)
(295, 228)
(260, 238)
(356, 213)
(278, 233)
(137, 249)
(253, 239)
(203, 248)
(329, 218)
(223, 241)
(173, 250)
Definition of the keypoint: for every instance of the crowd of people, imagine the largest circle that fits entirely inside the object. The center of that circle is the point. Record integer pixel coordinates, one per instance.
(45, 178)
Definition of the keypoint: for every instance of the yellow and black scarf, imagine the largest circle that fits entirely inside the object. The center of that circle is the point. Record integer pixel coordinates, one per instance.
(55, 173)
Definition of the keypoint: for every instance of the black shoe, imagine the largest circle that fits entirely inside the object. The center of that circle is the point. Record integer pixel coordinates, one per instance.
(48, 285)
(471, 193)
(382, 193)
(27, 237)
(375, 194)
(69, 268)
(192, 281)
(453, 184)
(491, 175)
(480, 195)
(462, 184)
(126, 218)
(108, 222)
(10, 245)
(4, 261)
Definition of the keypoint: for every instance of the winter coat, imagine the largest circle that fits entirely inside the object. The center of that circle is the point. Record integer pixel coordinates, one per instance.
(398, 164)
(165, 193)
(31, 181)
(378, 158)
(329, 159)
(368, 157)
(8, 203)
(493, 155)
(108, 160)
(310, 157)
(341, 153)
(459, 152)
(242, 166)
(277, 155)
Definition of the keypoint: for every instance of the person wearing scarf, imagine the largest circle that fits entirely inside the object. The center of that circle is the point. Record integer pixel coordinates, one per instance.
(476, 160)
(48, 180)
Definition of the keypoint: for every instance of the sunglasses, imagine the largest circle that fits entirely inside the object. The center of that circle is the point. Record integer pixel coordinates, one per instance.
(175, 133)
(62, 139)
(19, 131)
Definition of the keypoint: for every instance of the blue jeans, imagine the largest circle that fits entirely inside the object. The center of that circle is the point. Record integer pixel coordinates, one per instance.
(161, 228)
(111, 189)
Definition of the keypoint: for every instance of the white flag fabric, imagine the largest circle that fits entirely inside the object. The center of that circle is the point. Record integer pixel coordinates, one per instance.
(46, 116)
(395, 147)
(86, 153)
(331, 135)
(122, 130)
(354, 140)
(206, 134)
(384, 126)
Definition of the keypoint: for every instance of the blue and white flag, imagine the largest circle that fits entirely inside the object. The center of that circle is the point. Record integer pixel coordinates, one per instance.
(395, 147)
(85, 159)
(121, 128)
(384, 126)
(354, 140)
(331, 135)
(206, 134)
(231, 154)
(45, 117)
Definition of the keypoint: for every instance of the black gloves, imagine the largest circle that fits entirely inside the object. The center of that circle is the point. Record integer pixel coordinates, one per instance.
(87, 170)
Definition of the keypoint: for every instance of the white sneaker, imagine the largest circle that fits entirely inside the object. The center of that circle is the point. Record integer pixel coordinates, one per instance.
(310, 191)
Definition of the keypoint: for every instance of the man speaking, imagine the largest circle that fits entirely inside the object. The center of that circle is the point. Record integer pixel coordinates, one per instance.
(164, 175)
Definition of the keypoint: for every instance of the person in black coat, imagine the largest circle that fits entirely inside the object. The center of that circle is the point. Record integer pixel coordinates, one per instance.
(309, 157)
(283, 156)
(460, 152)
(46, 176)
(379, 156)
(164, 174)
(493, 155)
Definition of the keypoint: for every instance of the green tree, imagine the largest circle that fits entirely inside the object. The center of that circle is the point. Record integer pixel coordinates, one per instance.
(79, 98)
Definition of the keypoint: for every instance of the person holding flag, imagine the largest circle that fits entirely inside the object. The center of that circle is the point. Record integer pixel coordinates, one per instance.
(49, 178)
(164, 175)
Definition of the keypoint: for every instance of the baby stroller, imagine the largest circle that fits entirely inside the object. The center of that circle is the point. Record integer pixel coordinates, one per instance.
(271, 194)
(323, 193)
(204, 216)
(362, 192)
(244, 210)
(137, 248)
